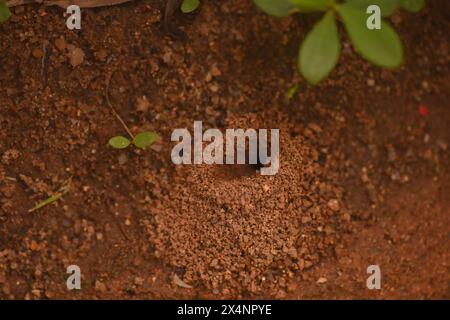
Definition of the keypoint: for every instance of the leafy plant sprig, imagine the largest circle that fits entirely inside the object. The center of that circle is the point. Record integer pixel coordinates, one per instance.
(141, 140)
(4, 11)
(320, 50)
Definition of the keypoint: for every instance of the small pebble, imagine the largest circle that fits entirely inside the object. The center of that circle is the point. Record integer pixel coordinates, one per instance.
(333, 204)
(322, 280)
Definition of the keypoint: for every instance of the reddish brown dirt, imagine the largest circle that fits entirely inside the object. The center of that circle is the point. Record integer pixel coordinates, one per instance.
(364, 178)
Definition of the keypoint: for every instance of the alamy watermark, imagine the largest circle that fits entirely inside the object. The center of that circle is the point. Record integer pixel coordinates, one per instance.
(234, 144)
(373, 21)
(74, 20)
(374, 280)
(74, 280)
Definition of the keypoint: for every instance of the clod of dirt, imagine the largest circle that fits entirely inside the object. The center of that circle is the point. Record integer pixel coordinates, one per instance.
(60, 44)
(76, 57)
(38, 53)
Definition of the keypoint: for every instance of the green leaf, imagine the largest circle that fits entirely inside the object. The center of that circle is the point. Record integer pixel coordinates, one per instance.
(144, 139)
(188, 6)
(4, 12)
(119, 142)
(320, 50)
(412, 5)
(277, 8)
(382, 46)
(312, 5)
(387, 6)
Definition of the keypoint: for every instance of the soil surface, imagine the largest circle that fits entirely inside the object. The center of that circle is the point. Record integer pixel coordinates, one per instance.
(364, 173)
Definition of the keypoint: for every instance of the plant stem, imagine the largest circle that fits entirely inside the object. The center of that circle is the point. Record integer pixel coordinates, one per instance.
(116, 114)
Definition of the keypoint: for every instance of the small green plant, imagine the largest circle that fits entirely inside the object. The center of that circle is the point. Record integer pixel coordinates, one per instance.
(141, 140)
(4, 11)
(188, 6)
(321, 47)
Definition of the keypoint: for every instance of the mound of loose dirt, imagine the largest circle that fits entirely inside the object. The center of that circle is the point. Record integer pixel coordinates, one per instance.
(227, 226)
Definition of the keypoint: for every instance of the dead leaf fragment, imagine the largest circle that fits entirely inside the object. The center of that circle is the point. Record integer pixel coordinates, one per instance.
(322, 280)
(142, 104)
(180, 282)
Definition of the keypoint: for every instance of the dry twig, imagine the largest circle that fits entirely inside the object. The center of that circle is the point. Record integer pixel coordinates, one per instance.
(66, 3)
